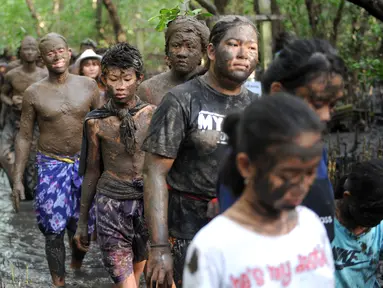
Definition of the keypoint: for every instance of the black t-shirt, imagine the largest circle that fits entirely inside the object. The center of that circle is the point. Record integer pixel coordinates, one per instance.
(187, 127)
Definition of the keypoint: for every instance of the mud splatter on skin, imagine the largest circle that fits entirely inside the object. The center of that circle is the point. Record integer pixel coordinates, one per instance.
(237, 54)
(186, 42)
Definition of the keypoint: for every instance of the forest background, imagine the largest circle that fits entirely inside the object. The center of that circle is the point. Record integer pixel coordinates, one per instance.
(355, 27)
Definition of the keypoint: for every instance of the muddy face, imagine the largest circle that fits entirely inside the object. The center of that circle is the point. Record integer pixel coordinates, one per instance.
(284, 180)
(29, 51)
(55, 54)
(322, 93)
(236, 56)
(90, 68)
(121, 84)
(185, 52)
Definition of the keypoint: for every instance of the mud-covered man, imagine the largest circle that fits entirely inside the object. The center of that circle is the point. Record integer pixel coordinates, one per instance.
(59, 103)
(113, 161)
(186, 40)
(16, 82)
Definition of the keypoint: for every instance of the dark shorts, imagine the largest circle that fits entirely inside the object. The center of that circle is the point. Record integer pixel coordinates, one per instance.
(178, 248)
(122, 235)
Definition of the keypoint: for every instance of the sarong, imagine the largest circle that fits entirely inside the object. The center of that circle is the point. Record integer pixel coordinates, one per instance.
(58, 194)
(122, 235)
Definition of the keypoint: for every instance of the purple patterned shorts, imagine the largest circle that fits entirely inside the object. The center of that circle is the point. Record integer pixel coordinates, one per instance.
(58, 193)
(122, 235)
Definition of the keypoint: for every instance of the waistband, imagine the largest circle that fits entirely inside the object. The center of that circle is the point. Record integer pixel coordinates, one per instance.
(61, 158)
(189, 195)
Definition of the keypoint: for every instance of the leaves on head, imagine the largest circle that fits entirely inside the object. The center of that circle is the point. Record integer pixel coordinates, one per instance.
(167, 15)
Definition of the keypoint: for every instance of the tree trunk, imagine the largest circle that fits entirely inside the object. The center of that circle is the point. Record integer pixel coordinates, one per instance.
(35, 16)
(373, 7)
(335, 26)
(221, 5)
(117, 27)
(210, 7)
(100, 35)
(313, 11)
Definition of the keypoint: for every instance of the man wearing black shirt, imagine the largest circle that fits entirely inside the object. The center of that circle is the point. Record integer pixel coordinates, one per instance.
(185, 146)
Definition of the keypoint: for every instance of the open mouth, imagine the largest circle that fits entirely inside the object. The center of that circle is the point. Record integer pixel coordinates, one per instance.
(59, 64)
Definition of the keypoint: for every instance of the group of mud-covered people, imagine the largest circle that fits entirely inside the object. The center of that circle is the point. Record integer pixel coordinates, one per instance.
(147, 166)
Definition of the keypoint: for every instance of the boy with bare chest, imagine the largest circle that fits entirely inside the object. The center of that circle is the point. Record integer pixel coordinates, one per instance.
(16, 82)
(113, 162)
(59, 103)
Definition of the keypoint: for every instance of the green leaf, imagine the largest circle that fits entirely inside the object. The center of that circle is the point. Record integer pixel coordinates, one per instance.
(206, 15)
(152, 18)
(164, 11)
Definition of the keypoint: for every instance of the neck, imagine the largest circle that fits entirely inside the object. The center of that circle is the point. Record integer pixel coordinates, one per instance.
(222, 84)
(58, 78)
(181, 78)
(29, 67)
(128, 105)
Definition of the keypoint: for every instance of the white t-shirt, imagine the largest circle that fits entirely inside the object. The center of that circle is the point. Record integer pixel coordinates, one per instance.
(225, 254)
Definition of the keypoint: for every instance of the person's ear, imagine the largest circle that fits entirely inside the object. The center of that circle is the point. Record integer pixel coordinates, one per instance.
(211, 52)
(244, 166)
(346, 194)
(103, 79)
(70, 52)
(140, 79)
(276, 87)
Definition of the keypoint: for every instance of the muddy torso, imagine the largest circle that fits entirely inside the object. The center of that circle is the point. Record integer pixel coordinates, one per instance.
(155, 88)
(21, 80)
(115, 159)
(60, 112)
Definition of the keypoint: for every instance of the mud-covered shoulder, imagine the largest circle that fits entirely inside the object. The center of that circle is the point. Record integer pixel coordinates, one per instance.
(184, 92)
(12, 73)
(32, 90)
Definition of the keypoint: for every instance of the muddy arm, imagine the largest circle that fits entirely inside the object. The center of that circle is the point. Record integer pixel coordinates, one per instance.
(92, 172)
(96, 101)
(6, 90)
(144, 92)
(24, 137)
(156, 196)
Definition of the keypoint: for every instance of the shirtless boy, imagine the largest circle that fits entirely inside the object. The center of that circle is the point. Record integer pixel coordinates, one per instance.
(16, 82)
(186, 41)
(113, 161)
(59, 103)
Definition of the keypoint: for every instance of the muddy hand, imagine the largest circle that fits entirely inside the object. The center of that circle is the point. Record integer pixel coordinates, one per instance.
(160, 267)
(81, 239)
(17, 194)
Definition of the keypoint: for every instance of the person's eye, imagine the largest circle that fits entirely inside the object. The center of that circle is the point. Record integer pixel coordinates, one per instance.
(232, 44)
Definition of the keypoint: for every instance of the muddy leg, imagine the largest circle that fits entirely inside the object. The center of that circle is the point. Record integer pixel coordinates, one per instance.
(55, 253)
(77, 255)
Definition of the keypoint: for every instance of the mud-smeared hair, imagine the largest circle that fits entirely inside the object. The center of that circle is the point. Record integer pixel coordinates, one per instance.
(364, 207)
(52, 35)
(301, 61)
(122, 56)
(186, 24)
(225, 24)
(266, 122)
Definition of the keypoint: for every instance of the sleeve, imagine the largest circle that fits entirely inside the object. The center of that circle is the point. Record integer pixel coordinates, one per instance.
(202, 266)
(167, 128)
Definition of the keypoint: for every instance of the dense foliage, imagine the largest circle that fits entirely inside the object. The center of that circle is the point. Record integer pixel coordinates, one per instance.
(357, 35)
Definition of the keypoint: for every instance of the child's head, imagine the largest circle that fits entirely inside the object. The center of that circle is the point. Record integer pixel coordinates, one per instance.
(361, 195)
(122, 71)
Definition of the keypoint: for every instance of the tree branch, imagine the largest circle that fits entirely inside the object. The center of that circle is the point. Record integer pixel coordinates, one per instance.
(35, 16)
(338, 17)
(210, 7)
(117, 27)
(373, 7)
